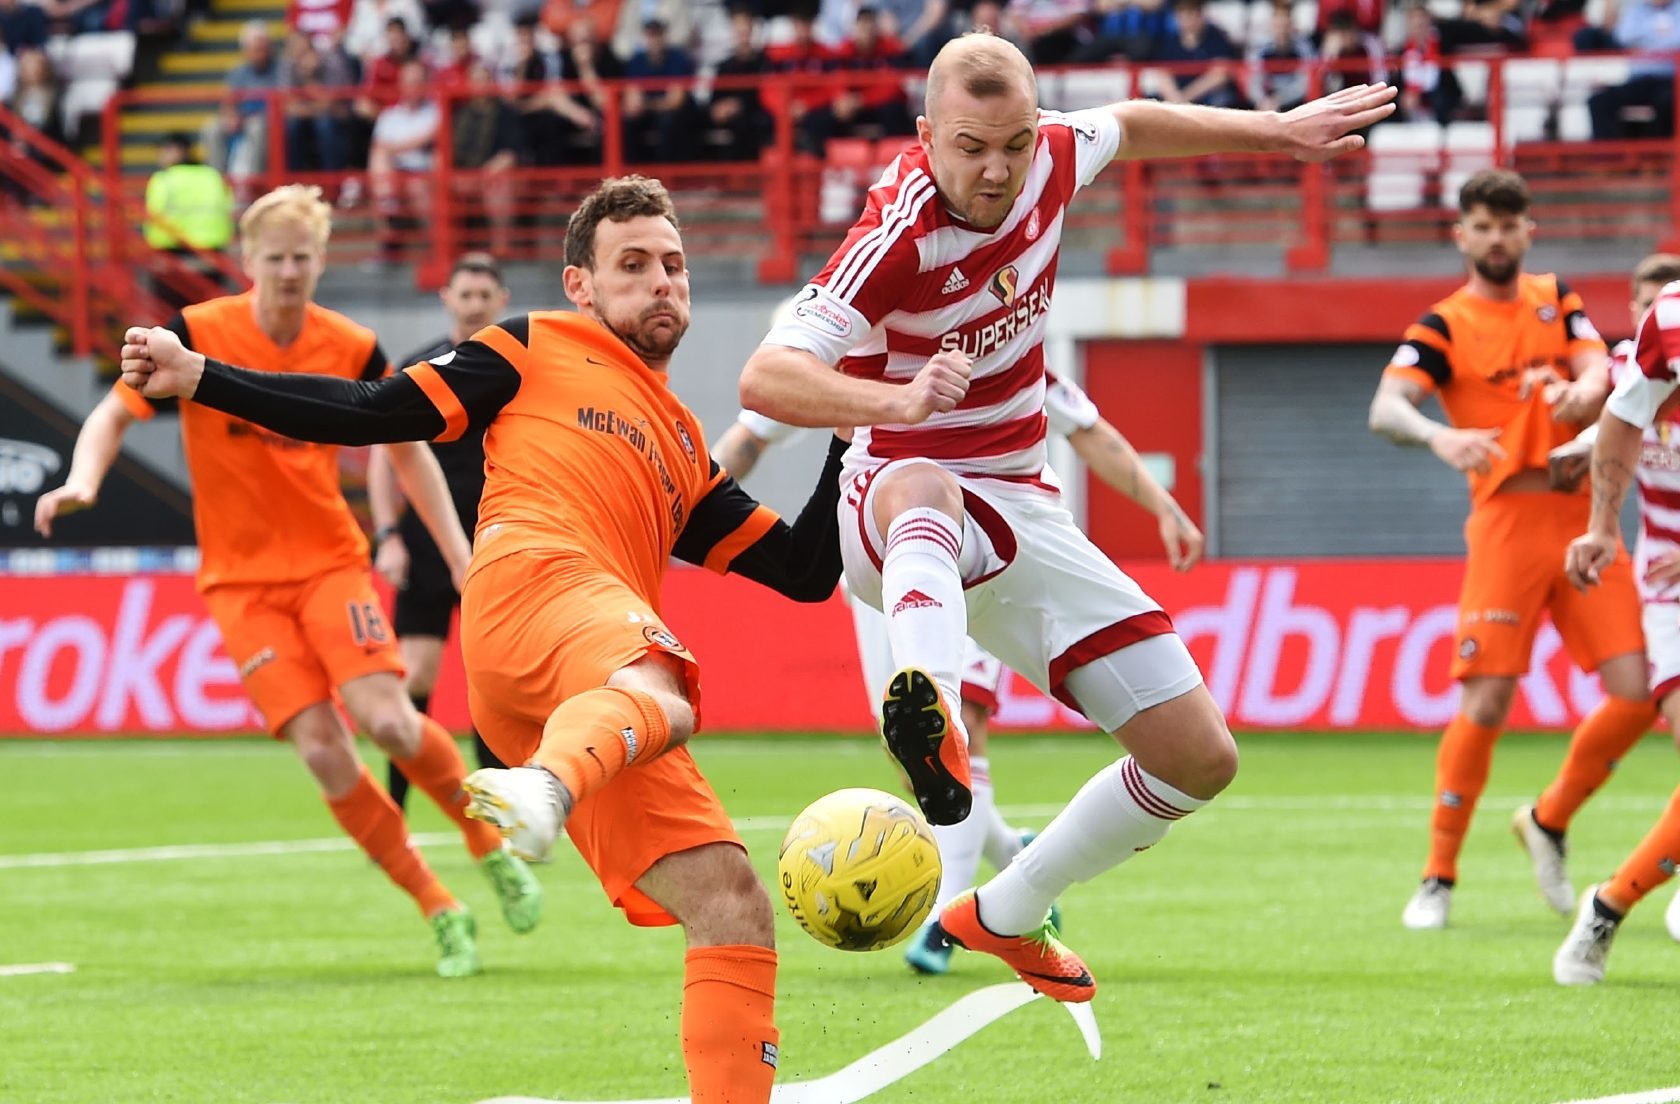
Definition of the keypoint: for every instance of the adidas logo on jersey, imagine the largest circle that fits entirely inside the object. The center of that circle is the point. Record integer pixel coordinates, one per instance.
(914, 600)
(954, 283)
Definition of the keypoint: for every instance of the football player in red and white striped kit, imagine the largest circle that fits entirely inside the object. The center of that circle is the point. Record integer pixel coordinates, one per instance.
(934, 308)
(1637, 439)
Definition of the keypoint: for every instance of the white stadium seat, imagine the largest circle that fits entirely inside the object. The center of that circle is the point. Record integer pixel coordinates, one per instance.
(1402, 157)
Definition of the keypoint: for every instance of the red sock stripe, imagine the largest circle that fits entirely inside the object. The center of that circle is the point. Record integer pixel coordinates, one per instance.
(943, 546)
(924, 530)
(1132, 775)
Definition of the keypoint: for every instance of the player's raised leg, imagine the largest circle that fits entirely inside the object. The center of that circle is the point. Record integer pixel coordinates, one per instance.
(367, 815)
(917, 508)
(588, 740)
(1182, 756)
(729, 1036)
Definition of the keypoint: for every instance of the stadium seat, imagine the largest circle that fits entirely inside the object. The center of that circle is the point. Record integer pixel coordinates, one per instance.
(1582, 76)
(1402, 157)
(1305, 16)
(1574, 123)
(1473, 79)
(1085, 88)
(1230, 16)
(1469, 150)
(107, 54)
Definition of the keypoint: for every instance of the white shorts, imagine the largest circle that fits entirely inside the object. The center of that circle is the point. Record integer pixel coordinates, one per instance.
(1662, 647)
(1041, 598)
(982, 674)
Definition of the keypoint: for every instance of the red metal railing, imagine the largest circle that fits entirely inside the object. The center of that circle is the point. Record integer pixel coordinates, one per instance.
(785, 207)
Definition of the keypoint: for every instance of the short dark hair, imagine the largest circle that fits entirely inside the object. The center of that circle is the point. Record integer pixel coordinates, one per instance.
(397, 21)
(1658, 268)
(1499, 190)
(618, 199)
(481, 264)
(654, 27)
(179, 139)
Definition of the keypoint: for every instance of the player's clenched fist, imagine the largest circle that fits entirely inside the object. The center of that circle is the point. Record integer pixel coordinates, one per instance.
(937, 388)
(1587, 557)
(156, 364)
(1468, 450)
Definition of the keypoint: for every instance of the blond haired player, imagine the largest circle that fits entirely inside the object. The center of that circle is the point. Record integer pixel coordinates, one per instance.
(284, 566)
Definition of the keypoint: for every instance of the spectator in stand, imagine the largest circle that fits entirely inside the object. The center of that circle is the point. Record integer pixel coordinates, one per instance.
(404, 140)
(370, 23)
(873, 110)
(560, 16)
(322, 20)
(486, 136)
(452, 58)
(658, 119)
(235, 139)
(1486, 26)
(530, 71)
(451, 14)
(739, 125)
(1054, 29)
(382, 73)
(189, 207)
(1651, 26)
(1367, 15)
(36, 97)
(316, 115)
(804, 55)
(580, 102)
(1202, 57)
(676, 15)
(23, 25)
(923, 26)
(1272, 85)
(1428, 89)
(1352, 55)
(1132, 29)
(992, 16)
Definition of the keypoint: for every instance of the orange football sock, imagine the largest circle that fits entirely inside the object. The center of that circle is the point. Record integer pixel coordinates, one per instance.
(369, 816)
(1602, 738)
(729, 1035)
(438, 769)
(1652, 863)
(1461, 772)
(594, 735)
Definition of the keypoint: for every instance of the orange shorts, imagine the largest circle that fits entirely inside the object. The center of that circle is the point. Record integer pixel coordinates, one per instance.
(539, 627)
(295, 643)
(1514, 573)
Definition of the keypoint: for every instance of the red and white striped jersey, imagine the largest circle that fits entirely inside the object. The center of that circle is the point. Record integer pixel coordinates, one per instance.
(1644, 374)
(912, 279)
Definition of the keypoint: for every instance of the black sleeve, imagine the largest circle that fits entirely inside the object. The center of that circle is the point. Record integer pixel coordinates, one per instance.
(377, 364)
(801, 561)
(477, 382)
(1422, 353)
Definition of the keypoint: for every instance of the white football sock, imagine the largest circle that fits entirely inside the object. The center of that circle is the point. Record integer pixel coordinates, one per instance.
(922, 596)
(959, 856)
(1122, 810)
(1002, 841)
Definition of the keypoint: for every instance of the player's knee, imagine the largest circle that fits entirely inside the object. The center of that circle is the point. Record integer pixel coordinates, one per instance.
(917, 486)
(679, 714)
(329, 758)
(396, 730)
(737, 911)
(1211, 763)
(1487, 708)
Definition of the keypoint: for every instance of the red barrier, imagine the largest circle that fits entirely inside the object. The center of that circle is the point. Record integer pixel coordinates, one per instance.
(1305, 645)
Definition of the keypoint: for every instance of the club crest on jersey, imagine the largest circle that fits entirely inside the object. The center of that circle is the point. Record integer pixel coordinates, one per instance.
(1032, 225)
(1548, 314)
(657, 635)
(685, 440)
(1003, 284)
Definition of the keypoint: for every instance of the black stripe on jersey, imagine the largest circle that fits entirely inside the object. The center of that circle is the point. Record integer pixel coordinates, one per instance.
(435, 349)
(377, 364)
(519, 328)
(481, 378)
(1563, 289)
(725, 509)
(1431, 360)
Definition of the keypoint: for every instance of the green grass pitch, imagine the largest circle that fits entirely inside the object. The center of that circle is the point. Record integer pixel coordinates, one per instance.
(1255, 956)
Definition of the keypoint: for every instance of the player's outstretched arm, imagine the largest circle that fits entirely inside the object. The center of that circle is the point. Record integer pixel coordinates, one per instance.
(1113, 460)
(795, 386)
(801, 561)
(96, 450)
(1316, 131)
(317, 408)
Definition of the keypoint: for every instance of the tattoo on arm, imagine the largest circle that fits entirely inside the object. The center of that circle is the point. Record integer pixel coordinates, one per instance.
(1610, 479)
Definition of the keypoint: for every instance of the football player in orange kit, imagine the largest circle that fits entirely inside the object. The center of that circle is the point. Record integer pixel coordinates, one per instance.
(284, 566)
(596, 474)
(1519, 370)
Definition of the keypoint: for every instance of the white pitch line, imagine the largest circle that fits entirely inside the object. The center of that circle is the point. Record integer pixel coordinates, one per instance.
(776, 822)
(25, 969)
(1653, 1096)
(896, 1060)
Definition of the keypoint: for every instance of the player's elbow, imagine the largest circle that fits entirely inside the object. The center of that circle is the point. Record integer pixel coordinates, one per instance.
(755, 387)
